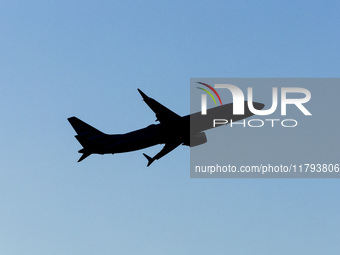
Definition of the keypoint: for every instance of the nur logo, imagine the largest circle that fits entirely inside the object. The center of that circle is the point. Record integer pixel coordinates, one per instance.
(238, 99)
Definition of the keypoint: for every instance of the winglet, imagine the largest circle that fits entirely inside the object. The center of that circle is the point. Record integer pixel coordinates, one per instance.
(145, 97)
(150, 160)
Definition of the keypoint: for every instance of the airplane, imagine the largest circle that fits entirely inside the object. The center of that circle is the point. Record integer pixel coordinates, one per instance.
(173, 130)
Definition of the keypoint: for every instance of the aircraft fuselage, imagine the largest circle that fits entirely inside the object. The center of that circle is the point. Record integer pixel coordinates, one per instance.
(173, 130)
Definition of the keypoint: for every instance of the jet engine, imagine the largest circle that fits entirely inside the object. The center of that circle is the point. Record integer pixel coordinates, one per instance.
(196, 139)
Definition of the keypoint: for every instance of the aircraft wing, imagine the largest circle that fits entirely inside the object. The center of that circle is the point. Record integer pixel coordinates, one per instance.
(163, 114)
(168, 147)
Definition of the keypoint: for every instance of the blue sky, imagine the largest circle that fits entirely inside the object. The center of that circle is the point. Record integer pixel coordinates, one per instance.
(86, 58)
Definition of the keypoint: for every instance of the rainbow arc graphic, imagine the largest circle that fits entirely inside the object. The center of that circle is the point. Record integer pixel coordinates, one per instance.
(209, 93)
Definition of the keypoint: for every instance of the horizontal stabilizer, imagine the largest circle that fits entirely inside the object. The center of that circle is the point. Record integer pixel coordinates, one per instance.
(89, 137)
(84, 156)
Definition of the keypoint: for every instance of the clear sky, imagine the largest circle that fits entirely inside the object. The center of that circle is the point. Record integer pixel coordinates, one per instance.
(87, 59)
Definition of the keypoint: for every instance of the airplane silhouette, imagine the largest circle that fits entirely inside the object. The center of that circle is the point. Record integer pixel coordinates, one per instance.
(173, 130)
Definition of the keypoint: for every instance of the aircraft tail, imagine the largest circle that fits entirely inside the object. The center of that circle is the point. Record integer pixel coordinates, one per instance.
(83, 128)
(84, 156)
(87, 136)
